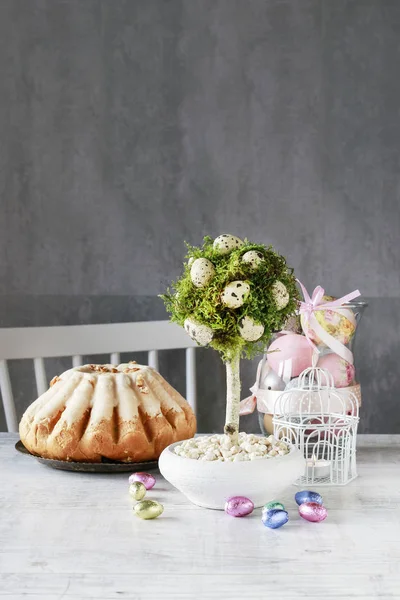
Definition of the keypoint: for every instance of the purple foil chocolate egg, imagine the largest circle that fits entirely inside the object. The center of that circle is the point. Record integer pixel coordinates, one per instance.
(148, 480)
(313, 512)
(239, 506)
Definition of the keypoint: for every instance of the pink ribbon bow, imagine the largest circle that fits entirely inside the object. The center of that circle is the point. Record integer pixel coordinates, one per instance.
(307, 309)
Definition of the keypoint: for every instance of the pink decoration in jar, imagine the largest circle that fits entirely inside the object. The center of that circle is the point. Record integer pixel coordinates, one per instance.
(342, 371)
(291, 347)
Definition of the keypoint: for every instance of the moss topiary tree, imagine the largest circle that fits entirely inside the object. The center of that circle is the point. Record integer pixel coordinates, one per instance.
(232, 296)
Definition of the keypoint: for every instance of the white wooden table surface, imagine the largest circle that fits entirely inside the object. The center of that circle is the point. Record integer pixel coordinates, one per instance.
(68, 535)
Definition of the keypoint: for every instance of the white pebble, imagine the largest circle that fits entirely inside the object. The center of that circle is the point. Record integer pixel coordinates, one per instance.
(219, 448)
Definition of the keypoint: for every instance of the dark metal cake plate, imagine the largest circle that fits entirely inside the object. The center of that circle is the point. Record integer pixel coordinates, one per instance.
(105, 466)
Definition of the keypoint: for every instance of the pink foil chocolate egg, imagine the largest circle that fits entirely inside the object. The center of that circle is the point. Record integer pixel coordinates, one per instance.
(291, 347)
(239, 506)
(313, 512)
(342, 371)
(148, 480)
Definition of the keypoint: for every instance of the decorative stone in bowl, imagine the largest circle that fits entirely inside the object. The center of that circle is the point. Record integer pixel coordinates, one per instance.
(210, 483)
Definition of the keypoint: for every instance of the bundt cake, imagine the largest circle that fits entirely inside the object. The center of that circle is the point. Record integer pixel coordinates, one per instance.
(125, 413)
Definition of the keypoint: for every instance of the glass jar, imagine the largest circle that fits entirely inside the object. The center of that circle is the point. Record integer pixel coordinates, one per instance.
(289, 354)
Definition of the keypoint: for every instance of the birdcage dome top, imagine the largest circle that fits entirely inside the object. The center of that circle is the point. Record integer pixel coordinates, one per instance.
(314, 393)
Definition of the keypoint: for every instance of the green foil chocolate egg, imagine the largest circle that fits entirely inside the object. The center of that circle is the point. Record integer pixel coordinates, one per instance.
(273, 506)
(137, 490)
(148, 509)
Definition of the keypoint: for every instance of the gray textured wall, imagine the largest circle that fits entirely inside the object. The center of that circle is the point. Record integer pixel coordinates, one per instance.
(127, 126)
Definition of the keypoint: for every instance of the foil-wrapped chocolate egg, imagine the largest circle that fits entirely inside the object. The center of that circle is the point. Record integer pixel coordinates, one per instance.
(148, 480)
(148, 509)
(274, 505)
(137, 490)
(250, 330)
(235, 293)
(239, 506)
(274, 518)
(253, 259)
(308, 496)
(313, 512)
(201, 272)
(200, 333)
(280, 295)
(225, 243)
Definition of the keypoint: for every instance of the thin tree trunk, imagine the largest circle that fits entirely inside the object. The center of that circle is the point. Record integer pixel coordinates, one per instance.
(232, 398)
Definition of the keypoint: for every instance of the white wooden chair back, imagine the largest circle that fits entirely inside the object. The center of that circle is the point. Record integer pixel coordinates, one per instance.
(76, 341)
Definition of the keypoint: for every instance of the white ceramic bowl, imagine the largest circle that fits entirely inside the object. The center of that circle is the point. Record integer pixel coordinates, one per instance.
(210, 483)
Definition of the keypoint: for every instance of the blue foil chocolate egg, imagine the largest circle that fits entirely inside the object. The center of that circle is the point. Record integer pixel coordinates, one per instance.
(308, 496)
(274, 518)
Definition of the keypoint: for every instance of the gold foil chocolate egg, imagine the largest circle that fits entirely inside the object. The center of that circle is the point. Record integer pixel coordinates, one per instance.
(137, 490)
(148, 509)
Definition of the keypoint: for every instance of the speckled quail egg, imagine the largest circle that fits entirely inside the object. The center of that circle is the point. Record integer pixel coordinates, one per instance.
(201, 272)
(225, 243)
(250, 330)
(280, 294)
(202, 334)
(253, 259)
(235, 293)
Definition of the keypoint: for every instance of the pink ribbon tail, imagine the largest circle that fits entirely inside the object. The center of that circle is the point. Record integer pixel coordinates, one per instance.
(247, 406)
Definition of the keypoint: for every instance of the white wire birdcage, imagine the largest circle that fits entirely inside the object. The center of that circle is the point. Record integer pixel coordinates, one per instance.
(322, 421)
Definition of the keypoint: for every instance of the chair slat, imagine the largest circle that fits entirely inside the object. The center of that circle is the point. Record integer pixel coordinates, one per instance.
(153, 359)
(40, 376)
(7, 395)
(67, 340)
(115, 358)
(77, 360)
(191, 392)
